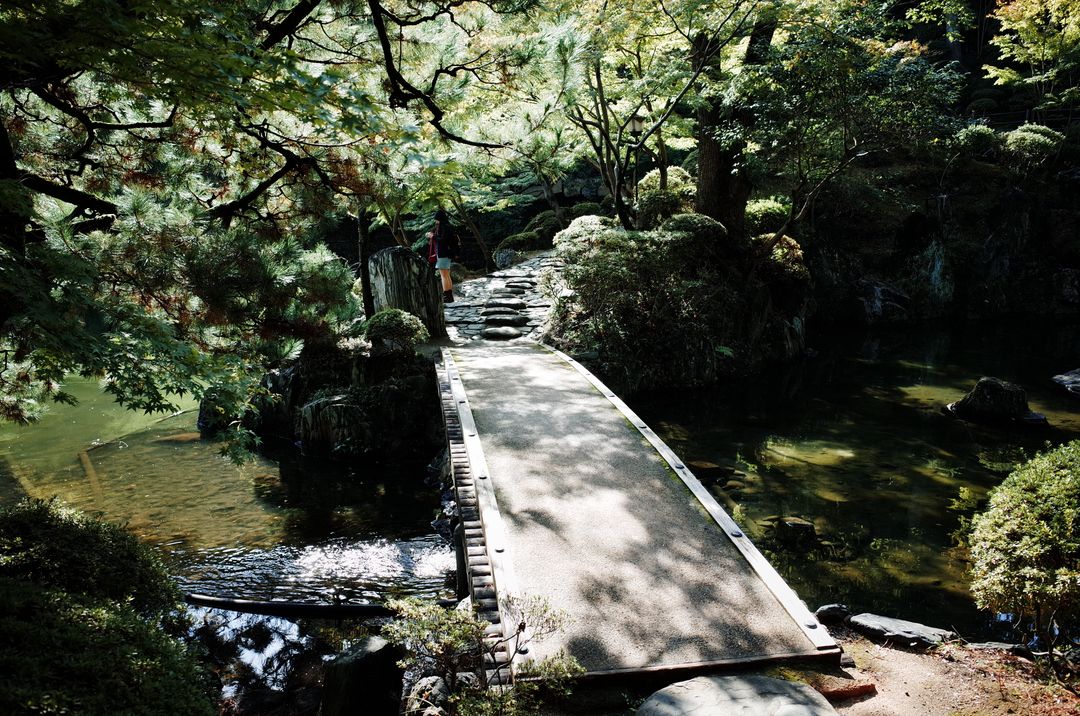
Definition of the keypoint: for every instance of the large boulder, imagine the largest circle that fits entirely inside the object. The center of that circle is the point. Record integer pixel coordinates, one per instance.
(401, 279)
(993, 400)
(742, 695)
(899, 631)
(365, 679)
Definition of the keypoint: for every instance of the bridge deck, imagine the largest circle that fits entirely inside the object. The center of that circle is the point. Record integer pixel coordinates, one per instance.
(599, 518)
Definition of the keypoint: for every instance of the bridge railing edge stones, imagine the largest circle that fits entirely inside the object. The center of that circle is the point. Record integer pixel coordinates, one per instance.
(779, 588)
(491, 576)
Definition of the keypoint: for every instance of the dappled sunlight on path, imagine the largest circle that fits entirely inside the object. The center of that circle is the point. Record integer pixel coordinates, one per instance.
(601, 526)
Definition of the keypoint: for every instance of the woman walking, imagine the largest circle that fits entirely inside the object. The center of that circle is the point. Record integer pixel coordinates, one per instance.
(443, 245)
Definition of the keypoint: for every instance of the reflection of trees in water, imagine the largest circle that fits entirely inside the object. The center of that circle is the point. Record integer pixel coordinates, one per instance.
(269, 665)
(11, 489)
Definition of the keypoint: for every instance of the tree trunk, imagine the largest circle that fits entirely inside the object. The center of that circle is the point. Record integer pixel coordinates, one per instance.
(723, 187)
(401, 279)
(362, 245)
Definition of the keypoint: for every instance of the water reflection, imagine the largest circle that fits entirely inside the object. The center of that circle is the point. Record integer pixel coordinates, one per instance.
(847, 474)
(279, 527)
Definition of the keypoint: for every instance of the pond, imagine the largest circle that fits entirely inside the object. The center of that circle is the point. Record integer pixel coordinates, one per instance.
(277, 528)
(853, 445)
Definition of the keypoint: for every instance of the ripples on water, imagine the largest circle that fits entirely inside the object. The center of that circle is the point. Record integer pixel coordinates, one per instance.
(289, 530)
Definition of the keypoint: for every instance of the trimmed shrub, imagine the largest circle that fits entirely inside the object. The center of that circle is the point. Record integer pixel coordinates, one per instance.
(1033, 144)
(60, 548)
(585, 208)
(525, 241)
(646, 303)
(581, 232)
(765, 215)
(398, 330)
(655, 205)
(1025, 548)
(703, 228)
(66, 653)
(677, 180)
(977, 140)
(81, 608)
(545, 225)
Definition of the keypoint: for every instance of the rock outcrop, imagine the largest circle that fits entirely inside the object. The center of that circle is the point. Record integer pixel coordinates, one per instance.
(993, 400)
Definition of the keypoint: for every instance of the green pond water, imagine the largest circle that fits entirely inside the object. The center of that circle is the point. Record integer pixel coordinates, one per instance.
(855, 443)
(271, 529)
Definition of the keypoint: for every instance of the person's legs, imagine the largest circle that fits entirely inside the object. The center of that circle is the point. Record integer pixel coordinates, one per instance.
(447, 284)
(443, 266)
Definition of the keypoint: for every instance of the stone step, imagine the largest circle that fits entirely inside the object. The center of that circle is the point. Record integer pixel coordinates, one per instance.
(506, 320)
(515, 303)
(501, 333)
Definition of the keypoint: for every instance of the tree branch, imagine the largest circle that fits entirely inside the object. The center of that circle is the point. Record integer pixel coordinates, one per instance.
(290, 24)
(67, 194)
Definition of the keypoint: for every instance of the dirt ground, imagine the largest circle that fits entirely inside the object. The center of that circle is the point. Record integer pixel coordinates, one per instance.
(952, 681)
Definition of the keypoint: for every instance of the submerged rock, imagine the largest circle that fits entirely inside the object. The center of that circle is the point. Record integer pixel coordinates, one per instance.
(993, 400)
(795, 531)
(899, 631)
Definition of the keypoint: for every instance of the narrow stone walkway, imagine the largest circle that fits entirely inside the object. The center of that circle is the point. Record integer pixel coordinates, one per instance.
(503, 305)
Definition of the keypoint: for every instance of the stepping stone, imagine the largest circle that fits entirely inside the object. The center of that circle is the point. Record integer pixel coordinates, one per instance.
(499, 311)
(515, 303)
(508, 291)
(746, 695)
(506, 320)
(501, 333)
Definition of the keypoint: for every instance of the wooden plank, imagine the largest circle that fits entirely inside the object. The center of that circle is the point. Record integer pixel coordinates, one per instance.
(780, 589)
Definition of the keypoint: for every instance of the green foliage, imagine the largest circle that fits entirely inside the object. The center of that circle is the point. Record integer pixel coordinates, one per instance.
(1025, 548)
(703, 228)
(545, 225)
(653, 305)
(450, 643)
(656, 205)
(585, 208)
(766, 215)
(525, 241)
(398, 330)
(1033, 144)
(60, 548)
(80, 606)
(977, 140)
(678, 181)
(68, 653)
(1040, 40)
